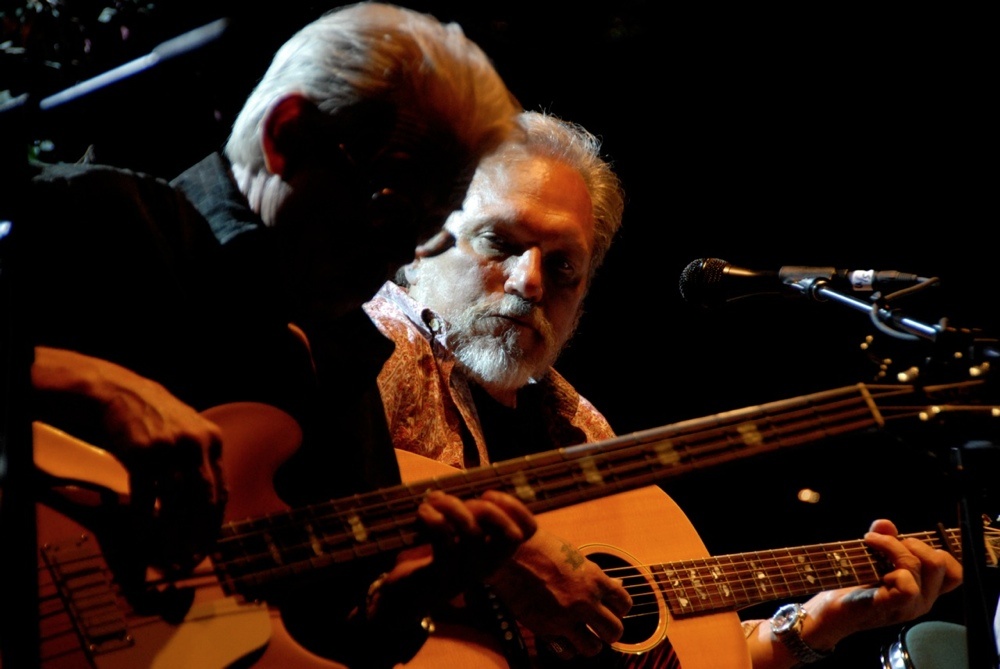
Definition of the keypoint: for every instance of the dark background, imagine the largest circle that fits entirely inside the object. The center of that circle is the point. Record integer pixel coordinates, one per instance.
(856, 139)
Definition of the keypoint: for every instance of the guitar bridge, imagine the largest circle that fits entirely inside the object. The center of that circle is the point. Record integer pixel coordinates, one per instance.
(83, 580)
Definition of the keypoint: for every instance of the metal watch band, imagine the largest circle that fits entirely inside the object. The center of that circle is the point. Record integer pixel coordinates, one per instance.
(786, 627)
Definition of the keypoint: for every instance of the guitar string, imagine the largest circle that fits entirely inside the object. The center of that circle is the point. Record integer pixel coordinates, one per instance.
(834, 552)
(408, 495)
(642, 607)
(394, 530)
(728, 589)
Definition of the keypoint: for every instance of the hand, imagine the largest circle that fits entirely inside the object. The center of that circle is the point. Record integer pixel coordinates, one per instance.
(563, 597)
(920, 575)
(473, 538)
(438, 243)
(470, 540)
(171, 451)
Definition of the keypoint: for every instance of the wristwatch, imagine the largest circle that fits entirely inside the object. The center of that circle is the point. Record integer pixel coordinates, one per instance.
(786, 627)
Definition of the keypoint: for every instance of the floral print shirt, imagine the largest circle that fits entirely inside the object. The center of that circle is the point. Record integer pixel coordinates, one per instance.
(428, 401)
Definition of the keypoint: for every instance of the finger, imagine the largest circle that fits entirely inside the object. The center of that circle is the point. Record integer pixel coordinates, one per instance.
(585, 641)
(894, 551)
(883, 526)
(515, 510)
(441, 241)
(193, 465)
(446, 514)
(941, 572)
(617, 598)
(142, 493)
(495, 522)
(212, 469)
(220, 488)
(606, 625)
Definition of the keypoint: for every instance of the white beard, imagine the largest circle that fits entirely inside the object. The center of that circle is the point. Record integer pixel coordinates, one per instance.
(501, 360)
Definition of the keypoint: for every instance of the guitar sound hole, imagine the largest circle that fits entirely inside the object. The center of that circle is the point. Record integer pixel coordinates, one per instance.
(642, 621)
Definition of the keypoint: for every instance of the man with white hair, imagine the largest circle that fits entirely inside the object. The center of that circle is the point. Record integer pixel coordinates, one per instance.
(242, 280)
(479, 318)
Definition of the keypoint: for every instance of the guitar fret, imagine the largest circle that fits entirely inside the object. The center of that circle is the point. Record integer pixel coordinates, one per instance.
(836, 568)
(762, 572)
(695, 585)
(255, 557)
(806, 571)
(673, 585)
(370, 523)
(733, 582)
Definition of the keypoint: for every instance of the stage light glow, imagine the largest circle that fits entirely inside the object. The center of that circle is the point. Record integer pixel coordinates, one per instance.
(808, 496)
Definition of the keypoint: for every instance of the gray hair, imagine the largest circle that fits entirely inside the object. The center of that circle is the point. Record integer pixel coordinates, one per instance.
(430, 72)
(572, 144)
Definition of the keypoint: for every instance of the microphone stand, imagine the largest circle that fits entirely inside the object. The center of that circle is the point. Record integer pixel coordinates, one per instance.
(20, 634)
(820, 290)
(973, 456)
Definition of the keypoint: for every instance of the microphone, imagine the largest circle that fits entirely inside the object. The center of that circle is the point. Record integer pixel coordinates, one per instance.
(709, 282)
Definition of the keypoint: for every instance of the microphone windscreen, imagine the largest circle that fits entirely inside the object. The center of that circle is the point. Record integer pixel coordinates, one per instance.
(699, 278)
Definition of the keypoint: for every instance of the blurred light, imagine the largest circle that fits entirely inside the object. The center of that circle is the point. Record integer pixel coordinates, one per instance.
(808, 496)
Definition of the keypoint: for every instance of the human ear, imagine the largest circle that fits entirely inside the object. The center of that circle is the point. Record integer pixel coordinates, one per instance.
(288, 126)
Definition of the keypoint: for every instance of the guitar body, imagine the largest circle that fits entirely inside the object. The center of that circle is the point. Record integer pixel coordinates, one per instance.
(642, 527)
(87, 623)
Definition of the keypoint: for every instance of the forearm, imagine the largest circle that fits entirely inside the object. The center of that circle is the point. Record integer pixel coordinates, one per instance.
(71, 389)
(815, 639)
(62, 371)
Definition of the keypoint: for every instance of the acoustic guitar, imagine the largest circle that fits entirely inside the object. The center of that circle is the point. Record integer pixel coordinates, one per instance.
(87, 621)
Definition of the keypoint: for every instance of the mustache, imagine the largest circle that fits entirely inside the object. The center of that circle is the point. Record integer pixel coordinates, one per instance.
(512, 306)
(516, 307)
(467, 322)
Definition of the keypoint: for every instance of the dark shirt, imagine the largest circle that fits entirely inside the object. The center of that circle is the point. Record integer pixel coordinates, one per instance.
(117, 265)
(176, 282)
(513, 433)
(347, 447)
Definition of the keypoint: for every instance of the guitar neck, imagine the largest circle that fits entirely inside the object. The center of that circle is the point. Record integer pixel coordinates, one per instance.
(250, 555)
(733, 582)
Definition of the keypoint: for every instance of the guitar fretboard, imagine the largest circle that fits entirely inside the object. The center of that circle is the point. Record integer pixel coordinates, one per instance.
(732, 582)
(254, 553)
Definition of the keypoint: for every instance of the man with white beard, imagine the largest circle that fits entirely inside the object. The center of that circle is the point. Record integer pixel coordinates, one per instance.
(496, 295)
(479, 317)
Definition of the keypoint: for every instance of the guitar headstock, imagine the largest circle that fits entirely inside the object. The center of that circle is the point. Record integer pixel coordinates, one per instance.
(956, 355)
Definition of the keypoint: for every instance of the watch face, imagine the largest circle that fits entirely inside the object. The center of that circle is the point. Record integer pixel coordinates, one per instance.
(784, 619)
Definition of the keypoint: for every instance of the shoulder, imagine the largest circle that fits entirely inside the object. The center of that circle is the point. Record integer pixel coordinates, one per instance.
(104, 200)
(85, 176)
(104, 187)
(580, 411)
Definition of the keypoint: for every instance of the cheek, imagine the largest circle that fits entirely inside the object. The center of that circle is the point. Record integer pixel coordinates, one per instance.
(460, 280)
(563, 313)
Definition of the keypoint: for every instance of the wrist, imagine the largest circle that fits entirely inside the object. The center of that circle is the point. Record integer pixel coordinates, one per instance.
(787, 626)
(409, 629)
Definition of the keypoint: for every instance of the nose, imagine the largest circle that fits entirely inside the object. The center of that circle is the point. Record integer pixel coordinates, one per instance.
(524, 277)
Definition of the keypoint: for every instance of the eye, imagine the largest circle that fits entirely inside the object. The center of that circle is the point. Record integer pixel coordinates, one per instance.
(490, 243)
(562, 270)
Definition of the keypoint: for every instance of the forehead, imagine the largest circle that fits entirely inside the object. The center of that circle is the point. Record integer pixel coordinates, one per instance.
(536, 196)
